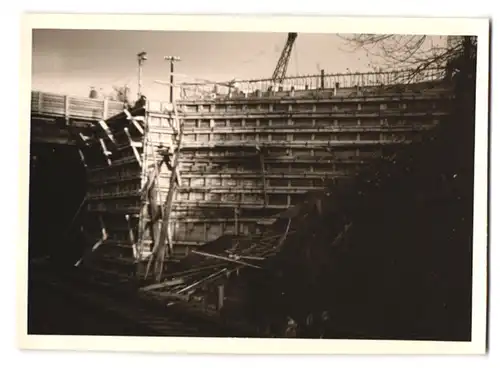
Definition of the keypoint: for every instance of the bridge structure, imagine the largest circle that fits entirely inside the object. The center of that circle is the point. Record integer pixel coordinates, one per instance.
(241, 157)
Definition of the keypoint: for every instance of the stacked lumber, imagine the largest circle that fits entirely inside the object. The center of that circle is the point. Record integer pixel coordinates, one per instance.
(218, 259)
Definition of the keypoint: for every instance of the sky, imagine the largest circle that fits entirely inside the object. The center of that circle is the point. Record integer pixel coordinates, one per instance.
(71, 61)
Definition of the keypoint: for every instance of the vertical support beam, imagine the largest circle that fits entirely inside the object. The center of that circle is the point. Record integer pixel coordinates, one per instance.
(220, 297)
(171, 80)
(236, 227)
(40, 101)
(159, 250)
(66, 109)
(131, 237)
(141, 58)
(263, 170)
(322, 80)
(105, 109)
(172, 59)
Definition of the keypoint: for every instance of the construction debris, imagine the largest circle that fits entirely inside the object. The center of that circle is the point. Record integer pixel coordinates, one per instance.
(291, 254)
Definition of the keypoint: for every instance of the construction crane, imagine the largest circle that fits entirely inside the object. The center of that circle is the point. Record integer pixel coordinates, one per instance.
(280, 71)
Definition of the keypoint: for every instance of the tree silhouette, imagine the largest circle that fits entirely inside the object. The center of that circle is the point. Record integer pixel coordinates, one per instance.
(417, 52)
(120, 94)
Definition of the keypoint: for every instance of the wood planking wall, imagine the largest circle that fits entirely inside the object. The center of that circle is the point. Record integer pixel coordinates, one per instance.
(304, 142)
(71, 106)
(113, 190)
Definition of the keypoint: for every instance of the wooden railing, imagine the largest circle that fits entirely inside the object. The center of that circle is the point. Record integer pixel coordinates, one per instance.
(75, 107)
(321, 81)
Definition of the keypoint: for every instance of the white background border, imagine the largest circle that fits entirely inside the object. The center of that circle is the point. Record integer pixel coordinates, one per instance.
(11, 55)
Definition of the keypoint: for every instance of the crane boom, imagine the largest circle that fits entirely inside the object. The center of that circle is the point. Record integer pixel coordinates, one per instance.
(280, 71)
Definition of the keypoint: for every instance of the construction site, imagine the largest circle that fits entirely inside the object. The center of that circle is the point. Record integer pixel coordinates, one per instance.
(317, 206)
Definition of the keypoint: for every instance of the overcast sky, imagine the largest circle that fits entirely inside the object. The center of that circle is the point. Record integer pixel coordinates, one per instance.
(70, 61)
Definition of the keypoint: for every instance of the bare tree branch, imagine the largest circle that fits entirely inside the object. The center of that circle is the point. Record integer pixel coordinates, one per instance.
(420, 53)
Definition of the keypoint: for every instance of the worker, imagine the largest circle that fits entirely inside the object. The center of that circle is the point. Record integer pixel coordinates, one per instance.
(141, 102)
(291, 327)
(167, 159)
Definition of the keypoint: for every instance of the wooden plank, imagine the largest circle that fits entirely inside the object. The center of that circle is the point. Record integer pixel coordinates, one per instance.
(53, 140)
(218, 220)
(239, 190)
(200, 174)
(226, 204)
(285, 128)
(304, 159)
(134, 147)
(228, 259)
(354, 114)
(429, 95)
(231, 174)
(294, 144)
(161, 285)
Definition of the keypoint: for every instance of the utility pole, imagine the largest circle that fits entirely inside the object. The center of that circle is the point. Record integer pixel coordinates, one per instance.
(141, 58)
(172, 59)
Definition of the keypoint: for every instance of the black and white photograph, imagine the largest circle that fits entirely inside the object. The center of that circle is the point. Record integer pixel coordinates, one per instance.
(290, 184)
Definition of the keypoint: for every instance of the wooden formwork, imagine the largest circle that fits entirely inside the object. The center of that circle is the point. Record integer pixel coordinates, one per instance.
(113, 157)
(244, 158)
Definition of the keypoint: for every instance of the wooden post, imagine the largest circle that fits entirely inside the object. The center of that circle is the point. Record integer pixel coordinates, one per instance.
(159, 246)
(105, 109)
(236, 228)
(220, 297)
(130, 231)
(66, 109)
(263, 170)
(40, 99)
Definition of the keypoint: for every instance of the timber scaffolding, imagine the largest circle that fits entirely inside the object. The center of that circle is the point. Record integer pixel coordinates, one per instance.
(250, 166)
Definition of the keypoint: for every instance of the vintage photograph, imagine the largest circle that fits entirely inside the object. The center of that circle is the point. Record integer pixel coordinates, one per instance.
(287, 184)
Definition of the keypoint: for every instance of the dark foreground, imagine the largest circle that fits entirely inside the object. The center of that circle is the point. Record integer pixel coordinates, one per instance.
(54, 313)
(69, 302)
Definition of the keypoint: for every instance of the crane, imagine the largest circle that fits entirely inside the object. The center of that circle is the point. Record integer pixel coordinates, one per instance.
(280, 71)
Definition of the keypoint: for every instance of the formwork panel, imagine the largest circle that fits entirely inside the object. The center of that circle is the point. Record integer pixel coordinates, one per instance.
(258, 153)
(114, 181)
(344, 130)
